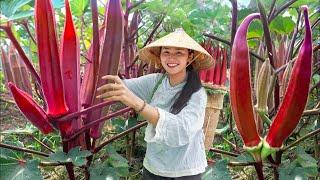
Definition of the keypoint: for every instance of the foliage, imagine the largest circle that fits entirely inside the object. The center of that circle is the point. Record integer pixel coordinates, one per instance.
(196, 17)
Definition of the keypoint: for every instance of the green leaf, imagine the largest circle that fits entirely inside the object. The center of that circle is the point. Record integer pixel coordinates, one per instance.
(304, 159)
(8, 154)
(79, 7)
(222, 130)
(291, 171)
(217, 172)
(9, 7)
(122, 171)
(115, 159)
(304, 2)
(119, 124)
(156, 6)
(132, 121)
(59, 156)
(21, 15)
(78, 157)
(102, 172)
(282, 25)
(255, 30)
(244, 158)
(20, 171)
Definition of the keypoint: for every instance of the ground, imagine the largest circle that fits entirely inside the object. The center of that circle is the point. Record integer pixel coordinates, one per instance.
(11, 117)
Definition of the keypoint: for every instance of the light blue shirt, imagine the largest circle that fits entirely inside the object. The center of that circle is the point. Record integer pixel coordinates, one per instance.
(175, 147)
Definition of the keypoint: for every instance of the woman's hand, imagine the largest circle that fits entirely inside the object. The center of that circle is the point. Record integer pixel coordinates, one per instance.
(118, 91)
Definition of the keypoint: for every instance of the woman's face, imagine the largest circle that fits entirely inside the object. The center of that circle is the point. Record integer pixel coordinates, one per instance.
(175, 60)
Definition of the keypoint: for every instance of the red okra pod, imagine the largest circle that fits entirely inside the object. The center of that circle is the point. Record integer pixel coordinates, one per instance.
(217, 67)
(223, 76)
(49, 61)
(70, 67)
(296, 95)
(110, 56)
(240, 86)
(31, 110)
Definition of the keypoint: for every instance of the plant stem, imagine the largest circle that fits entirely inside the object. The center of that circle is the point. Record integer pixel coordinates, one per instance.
(25, 24)
(311, 112)
(135, 5)
(95, 42)
(272, 8)
(232, 132)
(234, 20)
(41, 143)
(258, 167)
(224, 152)
(230, 143)
(282, 8)
(22, 54)
(313, 133)
(69, 166)
(76, 114)
(241, 163)
(7, 100)
(153, 31)
(95, 122)
(23, 150)
(138, 126)
(229, 44)
(266, 31)
(81, 33)
(293, 39)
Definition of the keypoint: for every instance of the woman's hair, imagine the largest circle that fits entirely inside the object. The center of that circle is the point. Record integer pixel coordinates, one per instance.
(193, 85)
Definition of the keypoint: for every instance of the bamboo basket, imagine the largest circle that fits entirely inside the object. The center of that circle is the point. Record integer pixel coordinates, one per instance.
(212, 112)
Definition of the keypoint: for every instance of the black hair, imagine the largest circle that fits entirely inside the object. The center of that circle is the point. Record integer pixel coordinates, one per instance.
(192, 85)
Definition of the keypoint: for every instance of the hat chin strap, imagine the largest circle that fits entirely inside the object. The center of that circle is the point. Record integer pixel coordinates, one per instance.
(193, 59)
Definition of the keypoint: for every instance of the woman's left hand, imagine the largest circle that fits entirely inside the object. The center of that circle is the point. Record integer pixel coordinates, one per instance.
(118, 91)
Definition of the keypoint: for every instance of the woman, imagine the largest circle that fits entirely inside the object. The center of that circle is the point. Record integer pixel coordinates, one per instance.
(173, 103)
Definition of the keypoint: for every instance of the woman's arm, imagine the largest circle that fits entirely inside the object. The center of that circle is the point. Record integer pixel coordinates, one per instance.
(118, 91)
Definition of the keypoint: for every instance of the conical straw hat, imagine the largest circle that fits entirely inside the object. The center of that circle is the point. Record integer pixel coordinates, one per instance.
(180, 39)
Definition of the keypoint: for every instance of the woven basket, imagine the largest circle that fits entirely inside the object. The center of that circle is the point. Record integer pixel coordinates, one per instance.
(214, 105)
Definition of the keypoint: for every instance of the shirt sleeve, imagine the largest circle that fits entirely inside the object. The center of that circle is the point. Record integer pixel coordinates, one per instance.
(143, 85)
(179, 129)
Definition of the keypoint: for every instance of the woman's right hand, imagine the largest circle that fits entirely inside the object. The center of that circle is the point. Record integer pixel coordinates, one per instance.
(118, 91)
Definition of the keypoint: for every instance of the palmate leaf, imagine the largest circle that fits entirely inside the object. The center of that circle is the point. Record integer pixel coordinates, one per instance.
(79, 7)
(20, 170)
(9, 7)
(302, 167)
(77, 157)
(282, 25)
(292, 171)
(115, 159)
(102, 172)
(113, 168)
(11, 155)
(217, 172)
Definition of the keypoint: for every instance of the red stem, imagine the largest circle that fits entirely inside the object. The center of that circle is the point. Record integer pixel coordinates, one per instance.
(266, 31)
(234, 20)
(97, 149)
(258, 167)
(76, 114)
(23, 149)
(23, 55)
(93, 123)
